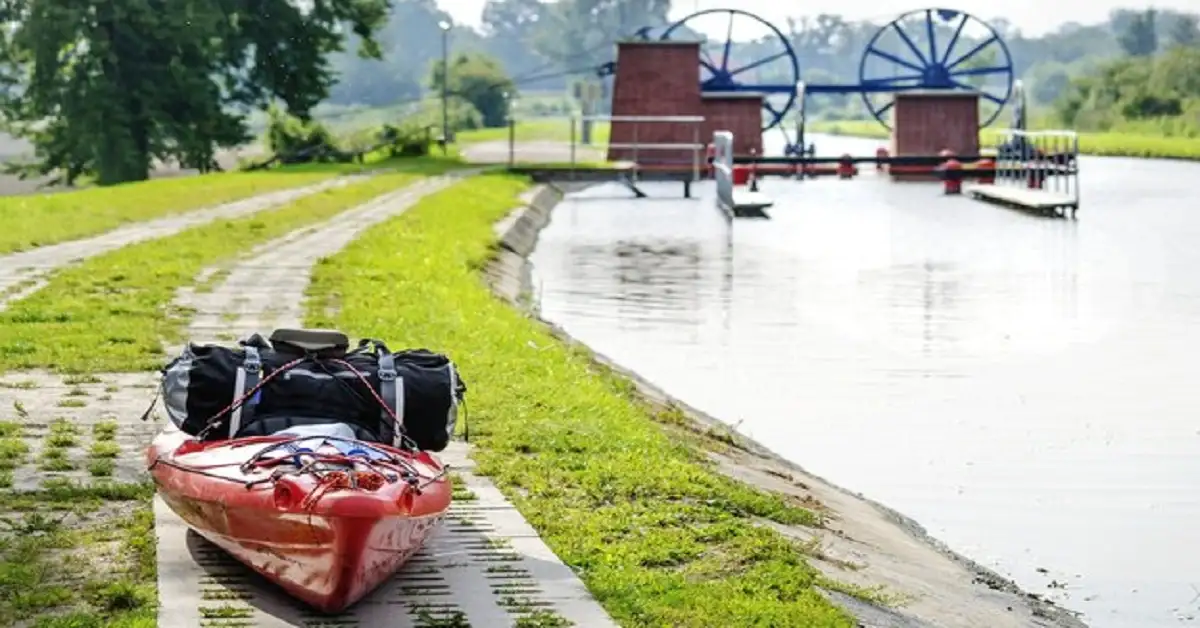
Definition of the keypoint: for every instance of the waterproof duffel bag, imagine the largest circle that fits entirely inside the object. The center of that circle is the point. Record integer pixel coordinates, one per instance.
(311, 377)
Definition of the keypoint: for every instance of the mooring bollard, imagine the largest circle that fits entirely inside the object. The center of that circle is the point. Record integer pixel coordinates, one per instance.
(845, 167)
(987, 167)
(951, 173)
(741, 174)
(881, 154)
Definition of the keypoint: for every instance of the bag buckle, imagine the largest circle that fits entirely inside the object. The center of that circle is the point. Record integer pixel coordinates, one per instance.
(388, 375)
(252, 363)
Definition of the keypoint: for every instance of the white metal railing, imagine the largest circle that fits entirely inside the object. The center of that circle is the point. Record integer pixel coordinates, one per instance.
(696, 146)
(723, 167)
(1042, 160)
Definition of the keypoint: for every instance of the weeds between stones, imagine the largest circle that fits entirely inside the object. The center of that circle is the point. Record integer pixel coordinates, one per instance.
(658, 535)
(111, 313)
(73, 552)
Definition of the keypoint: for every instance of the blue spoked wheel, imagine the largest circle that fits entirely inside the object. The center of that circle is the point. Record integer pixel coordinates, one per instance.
(768, 66)
(936, 49)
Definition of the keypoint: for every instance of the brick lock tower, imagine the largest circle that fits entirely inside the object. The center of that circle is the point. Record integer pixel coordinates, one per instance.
(662, 78)
(926, 122)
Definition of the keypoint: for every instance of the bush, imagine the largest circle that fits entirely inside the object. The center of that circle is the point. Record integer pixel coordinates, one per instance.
(294, 140)
(406, 140)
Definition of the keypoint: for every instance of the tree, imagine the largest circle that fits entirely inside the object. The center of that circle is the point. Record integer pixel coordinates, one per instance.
(511, 26)
(1140, 37)
(479, 80)
(1049, 81)
(1184, 30)
(104, 87)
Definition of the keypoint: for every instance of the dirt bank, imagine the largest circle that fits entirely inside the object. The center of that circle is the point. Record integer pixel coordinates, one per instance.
(861, 543)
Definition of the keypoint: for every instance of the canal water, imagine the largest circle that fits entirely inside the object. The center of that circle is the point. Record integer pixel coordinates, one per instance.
(1018, 385)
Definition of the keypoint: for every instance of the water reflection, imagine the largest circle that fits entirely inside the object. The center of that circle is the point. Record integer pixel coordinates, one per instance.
(1017, 385)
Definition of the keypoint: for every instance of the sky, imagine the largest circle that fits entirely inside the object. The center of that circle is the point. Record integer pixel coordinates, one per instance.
(1033, 17)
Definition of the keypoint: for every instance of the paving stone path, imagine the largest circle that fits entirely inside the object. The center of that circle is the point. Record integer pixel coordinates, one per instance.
(485, 568)
(22, 273)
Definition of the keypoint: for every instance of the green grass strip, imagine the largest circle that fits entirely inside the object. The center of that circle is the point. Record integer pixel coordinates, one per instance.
(39, 220)
(659, 536)
(112, 312)
(1111, 144)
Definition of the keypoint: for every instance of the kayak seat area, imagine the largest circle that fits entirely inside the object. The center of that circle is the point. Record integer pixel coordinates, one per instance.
(271, 425)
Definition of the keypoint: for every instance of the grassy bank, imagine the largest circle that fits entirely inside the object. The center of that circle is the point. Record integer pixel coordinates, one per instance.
(1115, 144)
(634, 506)
(39, 220)
(112, 312)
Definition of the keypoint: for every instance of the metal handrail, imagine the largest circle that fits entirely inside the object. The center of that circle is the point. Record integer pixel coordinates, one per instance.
(696, 145)
(642, 118)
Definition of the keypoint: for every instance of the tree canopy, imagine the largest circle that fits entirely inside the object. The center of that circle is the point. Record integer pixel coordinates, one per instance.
(104, 87)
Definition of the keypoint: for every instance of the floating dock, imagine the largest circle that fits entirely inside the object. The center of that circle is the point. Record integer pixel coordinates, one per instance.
(1033, 200)
(746, 204)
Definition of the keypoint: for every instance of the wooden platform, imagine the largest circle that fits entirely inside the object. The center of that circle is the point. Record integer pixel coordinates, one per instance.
(1040, 201)
(747, 204)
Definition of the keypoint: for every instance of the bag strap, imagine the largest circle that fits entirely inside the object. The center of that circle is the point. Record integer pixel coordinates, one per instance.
(391, 388)
(247, 378)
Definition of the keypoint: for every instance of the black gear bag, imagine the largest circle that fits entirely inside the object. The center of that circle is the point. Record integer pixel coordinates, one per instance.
(309, 377)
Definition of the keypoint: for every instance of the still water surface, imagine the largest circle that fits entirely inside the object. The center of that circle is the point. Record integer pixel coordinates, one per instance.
(1025, 388)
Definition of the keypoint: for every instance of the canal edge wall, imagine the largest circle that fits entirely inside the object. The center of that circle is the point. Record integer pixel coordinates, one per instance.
(958, 603)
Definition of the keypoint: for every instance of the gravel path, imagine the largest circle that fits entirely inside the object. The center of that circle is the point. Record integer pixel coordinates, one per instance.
(23, 273)
(485, 568)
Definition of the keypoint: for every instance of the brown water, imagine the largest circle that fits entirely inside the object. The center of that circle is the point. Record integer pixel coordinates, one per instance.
(1018, 385)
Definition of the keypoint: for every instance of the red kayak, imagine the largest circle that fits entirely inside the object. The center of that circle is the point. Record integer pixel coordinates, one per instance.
(328, 519)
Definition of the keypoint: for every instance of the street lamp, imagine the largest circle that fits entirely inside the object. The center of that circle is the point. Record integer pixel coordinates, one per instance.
(445, 26)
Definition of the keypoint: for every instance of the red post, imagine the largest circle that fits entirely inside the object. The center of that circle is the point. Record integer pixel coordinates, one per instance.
(741, 175)
(845, 168)
(951, 176)
(988, 166)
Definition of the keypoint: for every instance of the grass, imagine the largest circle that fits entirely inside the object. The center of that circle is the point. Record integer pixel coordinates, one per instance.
(660, 537)
(75, 556)
(112, 312)
(1112, 144)
(72, 555)
(39, 220)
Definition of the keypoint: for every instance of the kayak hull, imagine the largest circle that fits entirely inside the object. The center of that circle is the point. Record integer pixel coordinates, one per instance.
(327, 546)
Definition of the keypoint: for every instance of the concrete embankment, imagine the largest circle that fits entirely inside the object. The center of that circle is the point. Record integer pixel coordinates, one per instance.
(904, 577)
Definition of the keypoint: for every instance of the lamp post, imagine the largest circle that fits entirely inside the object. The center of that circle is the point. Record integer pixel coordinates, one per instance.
(445, 26)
